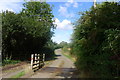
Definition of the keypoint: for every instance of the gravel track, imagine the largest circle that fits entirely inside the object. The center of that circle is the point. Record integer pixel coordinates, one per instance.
(62, 67)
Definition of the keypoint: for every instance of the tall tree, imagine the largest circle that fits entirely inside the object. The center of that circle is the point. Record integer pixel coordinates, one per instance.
(41, 26)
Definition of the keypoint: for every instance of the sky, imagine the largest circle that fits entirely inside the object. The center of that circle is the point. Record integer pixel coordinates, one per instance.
(66, 12)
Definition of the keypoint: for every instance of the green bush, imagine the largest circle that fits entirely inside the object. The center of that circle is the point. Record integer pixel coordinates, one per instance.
(9, 61)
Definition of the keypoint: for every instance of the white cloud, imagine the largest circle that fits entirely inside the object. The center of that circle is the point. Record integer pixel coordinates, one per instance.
(75, 5)
(62, 10)
(67, 4)
(71, 1)
(11, 0)
(9, 9)
(66, 36)
(65, 24)
(11, 5)
(4, 7)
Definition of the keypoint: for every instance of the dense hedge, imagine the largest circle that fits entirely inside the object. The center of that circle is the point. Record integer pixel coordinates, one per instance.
(96, 41)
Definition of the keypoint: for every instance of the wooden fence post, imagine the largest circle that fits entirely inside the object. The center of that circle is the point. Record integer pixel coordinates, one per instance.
(32, 60)
(37, 61)
(43, 58)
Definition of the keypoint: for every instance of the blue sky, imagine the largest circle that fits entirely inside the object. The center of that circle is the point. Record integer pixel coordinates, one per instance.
(65, 13)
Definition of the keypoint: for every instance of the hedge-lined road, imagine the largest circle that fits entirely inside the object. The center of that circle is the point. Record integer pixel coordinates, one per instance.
(61, 67)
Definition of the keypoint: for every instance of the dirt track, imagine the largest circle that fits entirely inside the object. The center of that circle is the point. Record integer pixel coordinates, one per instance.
(62, 67)
(11, 70)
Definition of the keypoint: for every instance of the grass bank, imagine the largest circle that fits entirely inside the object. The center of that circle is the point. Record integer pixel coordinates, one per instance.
(22, 73)
(68, 55)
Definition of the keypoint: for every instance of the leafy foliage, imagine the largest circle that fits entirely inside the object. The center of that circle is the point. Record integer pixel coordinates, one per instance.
(96, 40)
(28, 31)
(9, 61)
(62, 44)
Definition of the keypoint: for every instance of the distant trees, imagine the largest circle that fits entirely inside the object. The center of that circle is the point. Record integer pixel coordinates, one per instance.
(62, 44)
(28, 31)
(65, 46)
(96, 41)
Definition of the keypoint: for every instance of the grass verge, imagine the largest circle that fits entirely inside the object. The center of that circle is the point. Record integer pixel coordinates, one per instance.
(19, 75)
(68, 56)
(9, 61)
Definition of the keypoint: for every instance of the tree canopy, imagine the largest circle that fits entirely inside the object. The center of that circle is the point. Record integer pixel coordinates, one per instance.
(28, 31)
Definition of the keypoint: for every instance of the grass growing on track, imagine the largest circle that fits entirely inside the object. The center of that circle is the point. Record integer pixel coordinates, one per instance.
(68, 56)
(19, 75)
